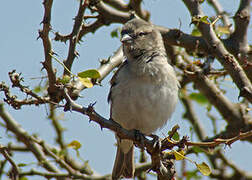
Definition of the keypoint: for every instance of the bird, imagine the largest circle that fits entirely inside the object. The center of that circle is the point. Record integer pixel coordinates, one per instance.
(144, 89)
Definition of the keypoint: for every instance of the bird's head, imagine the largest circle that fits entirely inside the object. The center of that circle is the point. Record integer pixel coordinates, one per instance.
(140, 37)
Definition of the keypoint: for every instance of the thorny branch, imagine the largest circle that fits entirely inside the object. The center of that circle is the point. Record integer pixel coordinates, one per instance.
(117, 11)
(31, 99)
(44, 35)
(144, 142)
(74, 37)
(219, 51)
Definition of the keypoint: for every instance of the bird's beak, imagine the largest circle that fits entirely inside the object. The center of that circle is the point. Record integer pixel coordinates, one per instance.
(126, 38)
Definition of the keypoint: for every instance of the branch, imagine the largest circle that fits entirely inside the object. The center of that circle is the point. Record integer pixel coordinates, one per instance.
(157, 164)
(14, 101)
(23, 136)
(106, 16)
(238, 40)
(117, 4)
(63, 175)
(219, 141)
(106, 66)
(57, 127)
(234, 114)
(190, 114)
(122, 133)
(15, 171)
(218, 50)
(136, 6)
(44, 35)
(2, 166)
(218, 8)
(74, 37)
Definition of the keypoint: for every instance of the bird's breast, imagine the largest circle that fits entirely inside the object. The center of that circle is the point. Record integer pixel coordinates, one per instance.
(144, 103)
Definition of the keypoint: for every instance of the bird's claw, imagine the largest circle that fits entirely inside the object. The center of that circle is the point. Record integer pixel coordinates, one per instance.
(140, 138)
(156, 142)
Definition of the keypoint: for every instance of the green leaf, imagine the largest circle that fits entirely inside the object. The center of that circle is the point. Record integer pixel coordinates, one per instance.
(23, 178)
(114, 33)
(223, 30)
(179, 155)
(91, 73)
(22, 165)
(197, 149)
(62, 153)
(37, 89)
(192, 175)
(197, 19)
(74, 144)
(196, 32)
(204, 20)
(175, 135)
(65, 79)
(199, 98)
(204, 168)
(86, 82)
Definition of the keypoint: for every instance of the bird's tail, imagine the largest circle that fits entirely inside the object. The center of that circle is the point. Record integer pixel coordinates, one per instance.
(124, 162)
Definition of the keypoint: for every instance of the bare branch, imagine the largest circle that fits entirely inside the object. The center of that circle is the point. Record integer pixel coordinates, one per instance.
(15, 171)
(44, 35)
(57, 127)
(63, 175)
(238, 40)
(122, 133)
(74, 37)
(148, 144)
(218, 141)
(117, 4)
(190, 114)
(218, 50)
(16, 103)
(219, 10)
(23, 136)
(136, 6)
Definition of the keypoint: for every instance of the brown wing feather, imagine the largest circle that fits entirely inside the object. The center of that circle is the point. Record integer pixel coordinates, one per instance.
(114, 79)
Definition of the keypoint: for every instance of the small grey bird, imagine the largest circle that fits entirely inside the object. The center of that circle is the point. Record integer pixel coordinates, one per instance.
(144, 90)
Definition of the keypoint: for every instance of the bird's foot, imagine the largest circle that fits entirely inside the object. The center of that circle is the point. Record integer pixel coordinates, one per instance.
(156, 142)
(140, 138)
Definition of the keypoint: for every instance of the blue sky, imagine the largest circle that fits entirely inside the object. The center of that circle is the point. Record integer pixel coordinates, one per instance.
(20, 50)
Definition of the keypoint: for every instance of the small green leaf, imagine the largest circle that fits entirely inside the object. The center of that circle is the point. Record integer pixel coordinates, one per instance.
(197, 149)
(204, 168)
(192, 175)
(91, 73)
(74, 144)
(37, 89)
(199, 98)
(197, 19)
(204, 20)
(179, 155)
(196, 32)
(223, 30)
(55, 151)
(175, 135)
(62, 153)
(22, 165)
(65, 79)
(23, 178)
(114, 33)
(86, 82)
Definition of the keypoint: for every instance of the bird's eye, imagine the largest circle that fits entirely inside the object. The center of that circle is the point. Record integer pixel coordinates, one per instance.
(142, 33)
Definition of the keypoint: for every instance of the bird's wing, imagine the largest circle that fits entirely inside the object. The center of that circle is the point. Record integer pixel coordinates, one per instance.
(113, 80)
